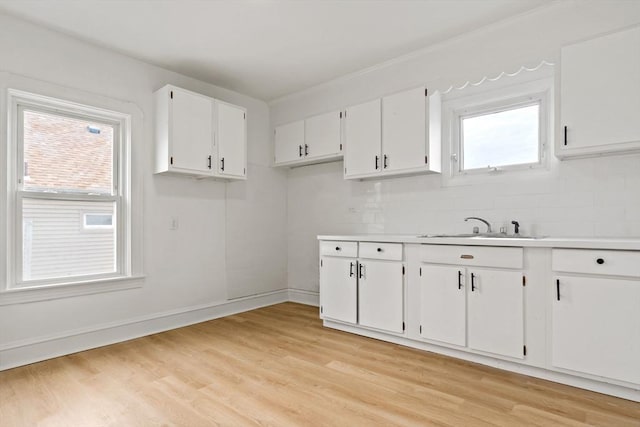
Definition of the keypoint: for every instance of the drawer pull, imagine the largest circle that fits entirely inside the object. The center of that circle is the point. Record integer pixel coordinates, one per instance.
(600, 261)
(466, 256)
(379, 249)
(338, 248)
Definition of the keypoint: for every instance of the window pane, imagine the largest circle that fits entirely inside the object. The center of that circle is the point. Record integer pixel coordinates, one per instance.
(98, 220)
(56, 244)
(66, 154)
(501, 139)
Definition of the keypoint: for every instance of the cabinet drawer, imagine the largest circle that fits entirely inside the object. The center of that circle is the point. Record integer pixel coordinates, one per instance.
(595, 261)
(388, 251)
(481, 256)
(343, 249)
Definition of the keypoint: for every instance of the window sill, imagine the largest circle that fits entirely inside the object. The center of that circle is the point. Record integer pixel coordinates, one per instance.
(51, 292)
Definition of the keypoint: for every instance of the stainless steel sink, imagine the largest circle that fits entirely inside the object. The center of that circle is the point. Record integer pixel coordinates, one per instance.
(481, 236)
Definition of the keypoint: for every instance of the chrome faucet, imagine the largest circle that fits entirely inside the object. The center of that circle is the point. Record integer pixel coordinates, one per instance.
(482, 220)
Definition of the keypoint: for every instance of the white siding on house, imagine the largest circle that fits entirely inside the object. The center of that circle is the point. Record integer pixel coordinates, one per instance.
(56, 243)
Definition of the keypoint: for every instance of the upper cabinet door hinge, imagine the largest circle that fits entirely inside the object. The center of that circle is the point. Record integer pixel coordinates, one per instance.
(403, 326)
(320, 309)
(340, 114)
(420, 328)
(420, 271)
(245, 116)
(524, 281)
(171, 160)
(524, 350)
(320, 263)
(171, 94)
(403, 270)
(426, 160)
(340, 147)
(426, 92)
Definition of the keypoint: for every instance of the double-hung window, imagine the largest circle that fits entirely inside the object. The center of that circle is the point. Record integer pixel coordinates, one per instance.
(69, 192)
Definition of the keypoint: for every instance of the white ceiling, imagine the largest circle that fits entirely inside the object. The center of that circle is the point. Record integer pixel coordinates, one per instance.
(265, 48)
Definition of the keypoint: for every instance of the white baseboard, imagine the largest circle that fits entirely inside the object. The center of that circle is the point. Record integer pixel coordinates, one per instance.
(304, 297)
(532, 371)
(24, 352)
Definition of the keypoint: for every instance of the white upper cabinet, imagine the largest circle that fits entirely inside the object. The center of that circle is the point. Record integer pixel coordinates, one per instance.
(186, 124)
(289, 142)
(403, 139)
(363, 138)
(231, 140)
(322, 136)
(600, 96)
(313, 140)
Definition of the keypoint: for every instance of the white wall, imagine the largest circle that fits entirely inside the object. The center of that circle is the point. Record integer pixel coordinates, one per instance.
(231, 237)
(589, 197)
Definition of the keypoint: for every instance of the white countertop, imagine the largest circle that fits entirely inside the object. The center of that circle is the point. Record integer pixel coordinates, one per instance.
(619, 243)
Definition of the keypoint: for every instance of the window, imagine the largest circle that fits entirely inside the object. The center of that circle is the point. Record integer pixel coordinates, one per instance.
(501, 138)
(96, 220)
(69, 164)
(502, 135)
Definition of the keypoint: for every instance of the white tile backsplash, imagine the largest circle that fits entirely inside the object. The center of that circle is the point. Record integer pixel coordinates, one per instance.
(585, 198)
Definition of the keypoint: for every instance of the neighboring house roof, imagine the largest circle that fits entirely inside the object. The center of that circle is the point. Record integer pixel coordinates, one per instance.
(61, 153)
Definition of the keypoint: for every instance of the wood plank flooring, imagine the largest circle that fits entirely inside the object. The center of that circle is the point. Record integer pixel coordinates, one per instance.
(278, 366)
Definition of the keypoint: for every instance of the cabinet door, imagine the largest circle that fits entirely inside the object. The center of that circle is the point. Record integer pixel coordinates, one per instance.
(289, 142)
(232, 140)
(404, 130)
(596, 327)
(191, 131)
(322, 135)
(443, 304)
(338, 289)
(363, 133)
(600, 91)
(380, 295)
(495, 318)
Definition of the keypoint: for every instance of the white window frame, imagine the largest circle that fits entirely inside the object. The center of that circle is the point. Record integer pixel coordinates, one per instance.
(457, 155)
(18, 101)
(493, 96)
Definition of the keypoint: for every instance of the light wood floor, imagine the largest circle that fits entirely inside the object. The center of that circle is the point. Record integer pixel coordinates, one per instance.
(278, 366)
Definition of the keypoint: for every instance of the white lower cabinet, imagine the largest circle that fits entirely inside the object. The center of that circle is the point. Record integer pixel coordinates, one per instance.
(478, 308)
(596, 327)
(596, 318)
(443, 304)
(495, 315)
(369, 290)
(380, 298)
(580, 314)
(339, 289)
